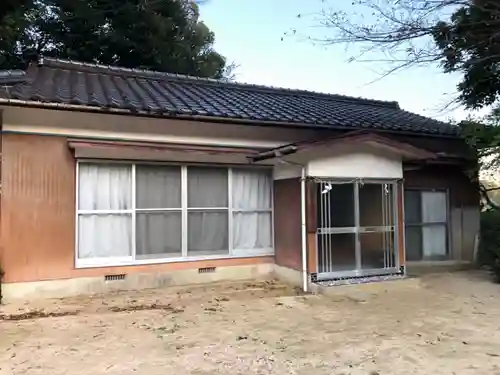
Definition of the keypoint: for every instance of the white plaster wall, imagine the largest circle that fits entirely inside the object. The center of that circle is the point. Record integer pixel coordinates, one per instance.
(357, 164)
(284, 171)
(112, 126)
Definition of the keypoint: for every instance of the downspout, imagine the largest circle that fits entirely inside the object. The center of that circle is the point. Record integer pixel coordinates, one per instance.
(303, 227)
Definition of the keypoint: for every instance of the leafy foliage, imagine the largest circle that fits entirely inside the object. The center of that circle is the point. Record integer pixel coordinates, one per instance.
(470, 44)
(489, 246)
(162, 35)
(483, 137)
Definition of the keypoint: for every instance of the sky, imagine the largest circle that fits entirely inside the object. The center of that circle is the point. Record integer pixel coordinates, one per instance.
(249, 32)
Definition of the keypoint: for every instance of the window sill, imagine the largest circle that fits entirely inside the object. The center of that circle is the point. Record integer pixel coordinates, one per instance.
(120, 262)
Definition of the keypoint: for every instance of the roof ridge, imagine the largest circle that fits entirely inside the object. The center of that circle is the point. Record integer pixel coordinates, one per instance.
(151, 74)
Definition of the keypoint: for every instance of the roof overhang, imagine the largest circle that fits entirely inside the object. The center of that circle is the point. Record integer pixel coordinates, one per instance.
(150, 151)
(6, 101)
(344, 144)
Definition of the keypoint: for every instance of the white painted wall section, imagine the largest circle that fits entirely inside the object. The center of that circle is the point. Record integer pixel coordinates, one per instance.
(285, 171)
(357, 165)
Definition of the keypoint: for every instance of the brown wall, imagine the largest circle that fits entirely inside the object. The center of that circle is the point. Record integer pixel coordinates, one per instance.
(311, 225)
(287, 231)
(464, 216)
(38, 215)
(38, 208)
(462, 191)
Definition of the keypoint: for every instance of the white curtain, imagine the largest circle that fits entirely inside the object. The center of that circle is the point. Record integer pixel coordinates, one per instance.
(104, 187)
(434, 241)
(251, 189)
(434, 209)
(251, 194)
(104, 236)
(252, 230)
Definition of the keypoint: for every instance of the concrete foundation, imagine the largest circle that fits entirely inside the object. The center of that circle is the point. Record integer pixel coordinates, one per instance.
(421, 268)
(98, 285)
(287, 275)
(363, 291)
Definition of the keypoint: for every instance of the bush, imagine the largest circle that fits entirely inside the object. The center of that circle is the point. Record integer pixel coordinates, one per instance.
(489, 245)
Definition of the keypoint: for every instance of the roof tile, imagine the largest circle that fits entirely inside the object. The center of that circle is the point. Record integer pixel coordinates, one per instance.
(135, 90)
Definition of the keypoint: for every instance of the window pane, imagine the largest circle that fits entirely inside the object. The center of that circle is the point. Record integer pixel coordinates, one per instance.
(252, 230)
(158, 186)
(104, 236)
(377, 250)
(413, 210)
(413, 239)
(251, 189)
(158, 235)
(104, 187)
(207, 187)
(336, 206)
(433, 207)
(376, 206)
(337, 252)
(207, 233)
(434, 242)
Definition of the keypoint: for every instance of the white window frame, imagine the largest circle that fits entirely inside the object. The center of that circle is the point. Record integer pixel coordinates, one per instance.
(131, 260)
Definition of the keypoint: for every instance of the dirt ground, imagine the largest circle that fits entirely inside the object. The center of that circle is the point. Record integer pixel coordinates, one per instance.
(443, 324)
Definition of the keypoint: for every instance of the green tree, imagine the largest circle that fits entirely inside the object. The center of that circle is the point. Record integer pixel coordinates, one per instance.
(470, 44)
(162, 35)
(8, 6)
(483, 135)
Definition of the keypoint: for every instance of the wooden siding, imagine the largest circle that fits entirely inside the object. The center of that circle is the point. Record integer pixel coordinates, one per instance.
(453, 178)
(38, 215)
(38, 208)
(287, 231)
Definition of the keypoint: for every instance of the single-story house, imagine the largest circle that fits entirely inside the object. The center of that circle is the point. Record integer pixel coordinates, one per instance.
(122, 178)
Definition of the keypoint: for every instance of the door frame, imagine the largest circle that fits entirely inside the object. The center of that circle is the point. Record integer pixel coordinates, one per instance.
(357, 229)
(447, 224)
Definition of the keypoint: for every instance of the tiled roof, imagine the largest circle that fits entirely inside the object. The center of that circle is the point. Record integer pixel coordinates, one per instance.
(11, 77)
(156, 93)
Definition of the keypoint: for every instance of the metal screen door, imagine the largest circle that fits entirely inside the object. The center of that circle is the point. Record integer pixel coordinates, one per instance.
(357, 228)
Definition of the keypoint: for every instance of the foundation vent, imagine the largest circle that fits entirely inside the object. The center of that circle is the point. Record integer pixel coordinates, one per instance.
(206, 270)
(114, 277)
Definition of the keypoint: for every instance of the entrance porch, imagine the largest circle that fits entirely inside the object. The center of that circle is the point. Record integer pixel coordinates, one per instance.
(341, 199)
(357, 228)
